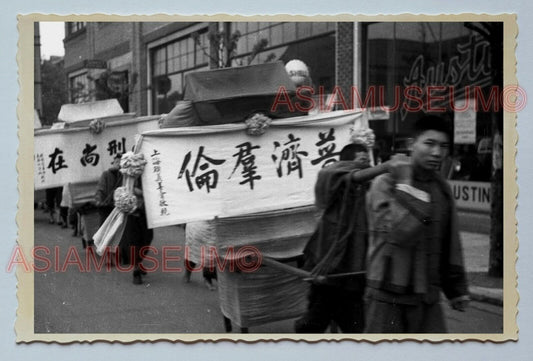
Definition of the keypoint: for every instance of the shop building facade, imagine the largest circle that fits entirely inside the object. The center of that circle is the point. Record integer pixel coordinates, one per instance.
(144, 64)
(373, 64)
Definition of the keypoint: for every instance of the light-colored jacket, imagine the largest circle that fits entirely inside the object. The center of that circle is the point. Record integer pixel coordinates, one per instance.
(398, 258)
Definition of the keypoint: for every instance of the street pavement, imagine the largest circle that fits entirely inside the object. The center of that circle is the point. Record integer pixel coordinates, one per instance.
(74, 300)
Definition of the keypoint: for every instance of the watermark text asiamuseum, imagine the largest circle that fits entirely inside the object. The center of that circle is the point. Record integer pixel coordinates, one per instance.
(412, 98)
(43, 259)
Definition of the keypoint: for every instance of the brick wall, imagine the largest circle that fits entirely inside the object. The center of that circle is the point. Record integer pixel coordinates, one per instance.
(76, 50)
(107, 35)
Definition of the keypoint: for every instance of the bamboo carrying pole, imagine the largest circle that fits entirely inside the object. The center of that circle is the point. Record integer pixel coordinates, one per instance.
(306, 275)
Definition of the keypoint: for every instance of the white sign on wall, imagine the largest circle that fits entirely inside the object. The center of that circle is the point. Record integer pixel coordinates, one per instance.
(204, 172)
(474, 196)
(74, 155)
(465, 122)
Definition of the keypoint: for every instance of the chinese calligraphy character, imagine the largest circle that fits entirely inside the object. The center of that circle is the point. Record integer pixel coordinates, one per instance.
(159, 181)
(88, 156)
(57, 161)
(115, 147)
(40, 167)
(326, 149)
(291, 155)
(209, 178)
(156, 162)
(247, 160)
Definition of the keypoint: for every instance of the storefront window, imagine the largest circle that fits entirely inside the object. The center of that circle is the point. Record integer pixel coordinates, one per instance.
(170, 63)
(417, 68)
(74, 27)
(79, 89)
(311, 42)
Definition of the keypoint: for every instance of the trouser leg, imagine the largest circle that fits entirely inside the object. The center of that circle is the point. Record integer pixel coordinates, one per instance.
(388, 317)
(425, 318)
(63, 214)
(50, 203)
(318, 315)
(383, 317)
(349, 312)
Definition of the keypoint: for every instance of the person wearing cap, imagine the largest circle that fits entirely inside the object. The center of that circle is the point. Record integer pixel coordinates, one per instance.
(414, 249)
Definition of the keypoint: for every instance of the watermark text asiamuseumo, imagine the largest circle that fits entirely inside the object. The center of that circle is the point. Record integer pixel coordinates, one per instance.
(413, 98)
(244, 259)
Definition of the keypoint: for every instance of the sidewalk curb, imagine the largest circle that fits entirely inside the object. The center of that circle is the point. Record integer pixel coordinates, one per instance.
(493, 296)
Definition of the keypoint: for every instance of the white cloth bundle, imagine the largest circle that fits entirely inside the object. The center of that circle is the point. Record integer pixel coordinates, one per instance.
(110, 232)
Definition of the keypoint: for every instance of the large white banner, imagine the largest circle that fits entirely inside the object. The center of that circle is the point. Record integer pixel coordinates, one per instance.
(73, 155)
(199, 173)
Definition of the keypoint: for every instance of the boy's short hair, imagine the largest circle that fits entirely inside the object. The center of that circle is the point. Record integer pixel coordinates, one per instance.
(433, 122)
(348, 152)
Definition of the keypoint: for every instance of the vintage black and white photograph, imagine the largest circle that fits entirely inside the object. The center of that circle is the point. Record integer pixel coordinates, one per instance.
(236, 178)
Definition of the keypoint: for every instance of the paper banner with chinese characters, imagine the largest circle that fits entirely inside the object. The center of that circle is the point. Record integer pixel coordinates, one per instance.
(74, 155)
(199, 173)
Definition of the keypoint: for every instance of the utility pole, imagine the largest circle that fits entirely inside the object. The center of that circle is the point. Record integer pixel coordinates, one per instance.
(37, 92)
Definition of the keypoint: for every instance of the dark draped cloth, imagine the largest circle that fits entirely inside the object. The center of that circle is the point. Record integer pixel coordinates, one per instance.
(339, 242)
(136, 236)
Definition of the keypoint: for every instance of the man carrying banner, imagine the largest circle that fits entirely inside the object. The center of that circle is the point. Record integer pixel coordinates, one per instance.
(136, 237)
(110, 180)
(336, 251)
(414, 250)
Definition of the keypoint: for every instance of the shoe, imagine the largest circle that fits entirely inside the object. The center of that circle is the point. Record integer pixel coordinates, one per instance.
(187, 276)
(52, 218)
(137, 279)
(210, 286)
